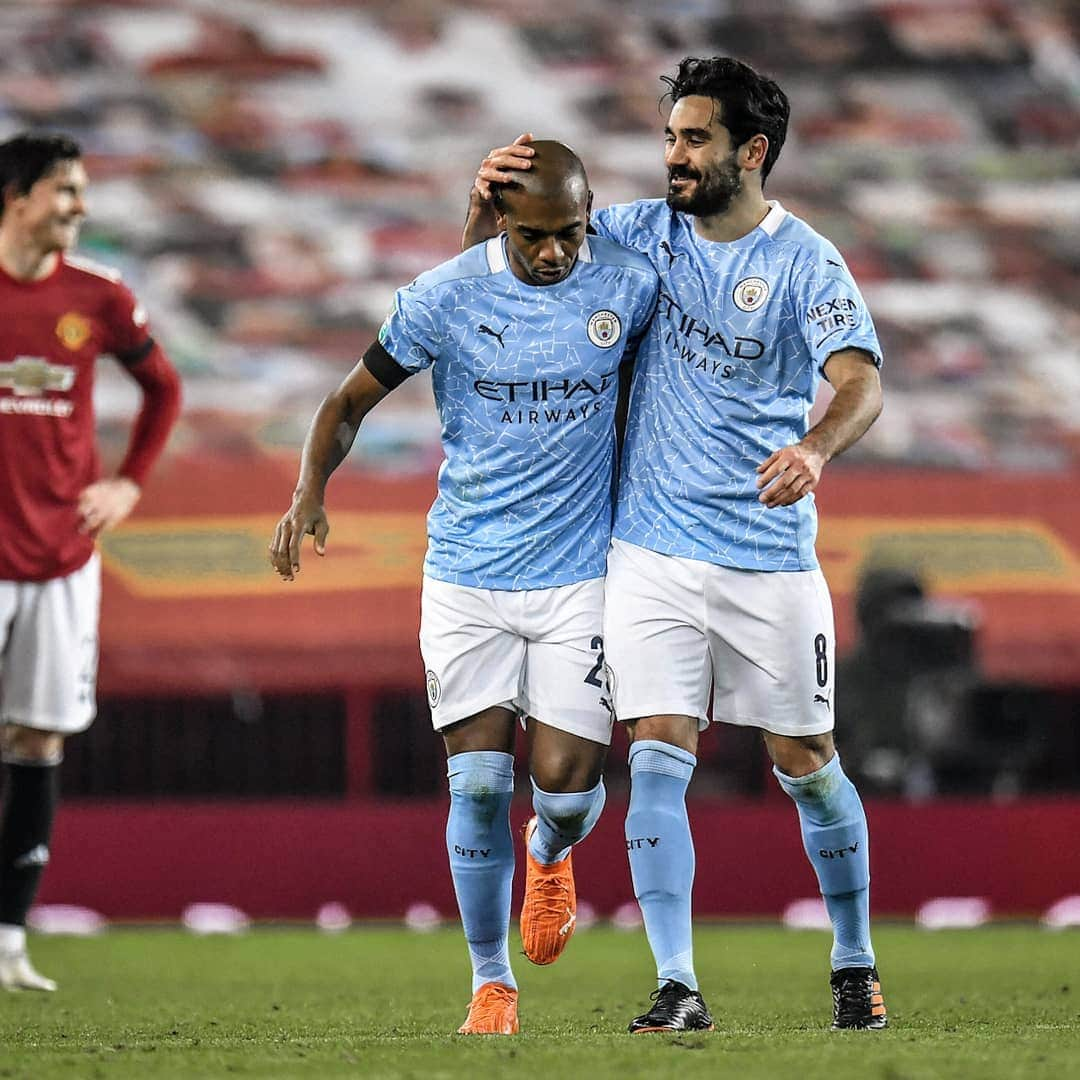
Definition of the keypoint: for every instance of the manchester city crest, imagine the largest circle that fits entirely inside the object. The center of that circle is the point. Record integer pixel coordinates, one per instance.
(750, 293)
(604, 329)
(434, 688)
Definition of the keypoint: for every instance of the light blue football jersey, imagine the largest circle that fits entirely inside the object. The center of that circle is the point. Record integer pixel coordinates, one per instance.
(727, 374)
(525, 380)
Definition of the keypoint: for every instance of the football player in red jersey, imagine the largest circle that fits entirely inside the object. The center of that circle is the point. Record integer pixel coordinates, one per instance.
(57, 314)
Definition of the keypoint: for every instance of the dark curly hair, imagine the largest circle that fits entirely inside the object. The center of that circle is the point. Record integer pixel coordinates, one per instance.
(26, 158)
(751, 104)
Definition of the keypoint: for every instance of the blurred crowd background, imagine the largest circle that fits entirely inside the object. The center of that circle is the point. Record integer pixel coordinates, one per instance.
(265, 174)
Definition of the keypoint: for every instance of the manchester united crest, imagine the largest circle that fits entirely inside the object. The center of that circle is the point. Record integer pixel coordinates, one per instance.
(750, 293)
(604, 329)
(73, 330)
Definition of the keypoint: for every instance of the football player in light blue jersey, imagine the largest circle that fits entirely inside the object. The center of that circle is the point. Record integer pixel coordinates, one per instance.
(525, 336)
(713, 585)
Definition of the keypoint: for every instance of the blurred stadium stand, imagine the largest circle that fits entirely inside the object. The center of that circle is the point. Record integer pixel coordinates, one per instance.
(266, 173)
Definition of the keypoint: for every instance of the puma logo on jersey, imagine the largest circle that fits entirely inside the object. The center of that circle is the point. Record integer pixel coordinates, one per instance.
(823, 698)
(671, 255)
(498, 336)
(31, 376)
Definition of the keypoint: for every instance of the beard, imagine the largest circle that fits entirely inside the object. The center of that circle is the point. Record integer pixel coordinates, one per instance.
(714, 192)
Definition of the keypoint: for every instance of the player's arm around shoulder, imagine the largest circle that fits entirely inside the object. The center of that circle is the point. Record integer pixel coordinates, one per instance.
(498, 167)
(329, 439)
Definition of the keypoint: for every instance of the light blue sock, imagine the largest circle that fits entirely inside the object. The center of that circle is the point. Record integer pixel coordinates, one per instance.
(481, 852)
(838, 847)
(661, 854)
(562, 819)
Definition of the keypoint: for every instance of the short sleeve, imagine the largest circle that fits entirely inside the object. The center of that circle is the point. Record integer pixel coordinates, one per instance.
(831, 311)
(645, 305)
(127, 335)
(614, 223)
(411, 332)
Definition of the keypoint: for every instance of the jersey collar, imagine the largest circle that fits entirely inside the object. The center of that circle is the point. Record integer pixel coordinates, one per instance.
(769, 224)
(495, 250)
(773, 219)
(496, 254)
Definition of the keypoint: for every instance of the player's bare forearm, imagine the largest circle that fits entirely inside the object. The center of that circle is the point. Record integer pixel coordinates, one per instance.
(328, 441)
(856, 405)
(479, 222)
(334, 427)
(792, 472)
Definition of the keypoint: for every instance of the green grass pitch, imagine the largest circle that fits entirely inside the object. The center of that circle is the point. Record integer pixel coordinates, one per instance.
(993, 1003)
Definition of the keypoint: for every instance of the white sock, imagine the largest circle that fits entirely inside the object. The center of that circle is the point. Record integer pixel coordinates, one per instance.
(12, 938)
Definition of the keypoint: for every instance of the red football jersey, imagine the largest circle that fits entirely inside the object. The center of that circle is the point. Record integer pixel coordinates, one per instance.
(51, 333)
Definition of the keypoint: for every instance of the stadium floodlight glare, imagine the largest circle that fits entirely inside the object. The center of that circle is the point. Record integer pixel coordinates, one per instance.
(69, 919)
(587, 916)
(215, 919)
(333, 917)
(809, 913)
(953, 913)
(627, 916)
(1063, 913)
(422, 917)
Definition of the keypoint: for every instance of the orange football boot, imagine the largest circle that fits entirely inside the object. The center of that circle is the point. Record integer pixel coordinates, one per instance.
(492, 1011)
(549, 912)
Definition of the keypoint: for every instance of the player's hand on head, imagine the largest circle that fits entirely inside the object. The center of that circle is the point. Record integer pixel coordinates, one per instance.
(788, 474)
(305, 517)
(501, 163)
(106, 503)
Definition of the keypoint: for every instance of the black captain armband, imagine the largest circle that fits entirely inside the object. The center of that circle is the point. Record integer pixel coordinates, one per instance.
(384, 367)
(132, 356)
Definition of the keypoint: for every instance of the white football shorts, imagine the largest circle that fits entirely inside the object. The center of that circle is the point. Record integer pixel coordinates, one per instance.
(677, 630)
(49, 650)
(538, 652)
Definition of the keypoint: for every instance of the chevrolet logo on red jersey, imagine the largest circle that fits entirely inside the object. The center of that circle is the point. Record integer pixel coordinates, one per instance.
(31, 376)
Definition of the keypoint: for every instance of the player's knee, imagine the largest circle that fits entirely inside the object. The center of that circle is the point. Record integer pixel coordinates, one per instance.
(564, 771)
(800, 756)
(680, 731)
(28, 746)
